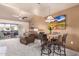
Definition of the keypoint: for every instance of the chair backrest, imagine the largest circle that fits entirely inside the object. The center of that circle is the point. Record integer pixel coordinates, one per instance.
(59, 38)
(40, 35)
(64, 38)
(44, 37)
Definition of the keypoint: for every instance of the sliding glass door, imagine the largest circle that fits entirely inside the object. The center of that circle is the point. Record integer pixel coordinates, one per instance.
(8, 30)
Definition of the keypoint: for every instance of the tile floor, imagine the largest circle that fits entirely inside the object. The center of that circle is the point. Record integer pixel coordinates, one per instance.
(12, 47)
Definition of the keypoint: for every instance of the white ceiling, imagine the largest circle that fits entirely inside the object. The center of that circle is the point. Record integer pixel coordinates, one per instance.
(13, 10)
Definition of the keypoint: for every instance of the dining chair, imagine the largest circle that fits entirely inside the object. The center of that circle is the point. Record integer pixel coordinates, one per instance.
(59, 46)
(64, 43)
(45, 46)
(55, 45)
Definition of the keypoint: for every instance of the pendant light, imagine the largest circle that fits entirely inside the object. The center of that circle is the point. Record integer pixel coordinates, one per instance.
(49, 18)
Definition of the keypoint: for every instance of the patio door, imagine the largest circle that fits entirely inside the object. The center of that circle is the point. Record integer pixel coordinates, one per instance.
(8, 30)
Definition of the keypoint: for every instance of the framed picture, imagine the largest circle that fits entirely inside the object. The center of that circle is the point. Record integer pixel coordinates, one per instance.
(59, 23)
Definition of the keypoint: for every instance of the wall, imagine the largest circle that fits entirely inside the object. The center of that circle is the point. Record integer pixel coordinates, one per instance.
(72, 21)
(39, 22)
(23, 26)
(72, 28)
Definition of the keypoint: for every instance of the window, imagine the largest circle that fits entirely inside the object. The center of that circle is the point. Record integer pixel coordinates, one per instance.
(8, 30)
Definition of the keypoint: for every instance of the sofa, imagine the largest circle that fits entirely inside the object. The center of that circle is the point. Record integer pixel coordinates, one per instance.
(26, 40)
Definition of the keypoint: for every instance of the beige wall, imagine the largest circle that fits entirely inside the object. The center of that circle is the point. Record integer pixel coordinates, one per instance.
(72, 21)
(40, 23)
(72, 17)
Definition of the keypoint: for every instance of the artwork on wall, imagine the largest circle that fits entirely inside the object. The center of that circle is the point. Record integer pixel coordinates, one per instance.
(59, 23)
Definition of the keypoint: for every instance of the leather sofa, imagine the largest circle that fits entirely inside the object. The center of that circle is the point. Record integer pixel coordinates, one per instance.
(26, 40)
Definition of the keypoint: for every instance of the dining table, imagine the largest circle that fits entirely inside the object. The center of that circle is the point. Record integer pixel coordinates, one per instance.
(52, 35)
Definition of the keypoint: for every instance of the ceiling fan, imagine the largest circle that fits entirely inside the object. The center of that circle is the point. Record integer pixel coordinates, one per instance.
(21, 18)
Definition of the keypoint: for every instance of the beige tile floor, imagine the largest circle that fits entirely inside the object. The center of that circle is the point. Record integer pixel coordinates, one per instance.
(12, 47)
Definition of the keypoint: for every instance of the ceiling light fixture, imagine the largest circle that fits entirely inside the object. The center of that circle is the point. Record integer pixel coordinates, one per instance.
(49, 18)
